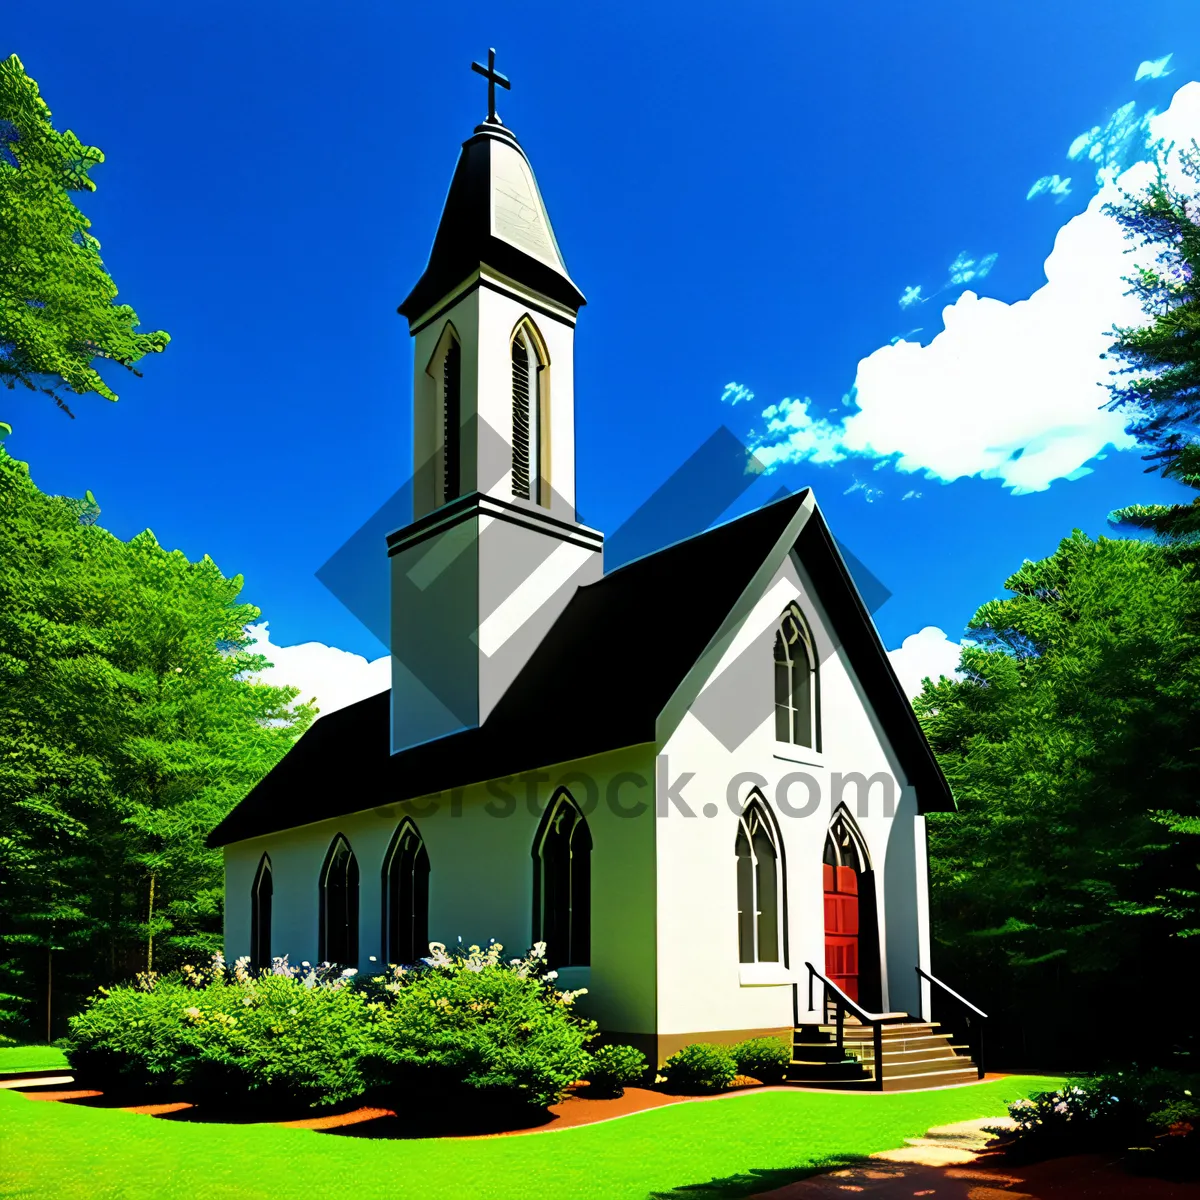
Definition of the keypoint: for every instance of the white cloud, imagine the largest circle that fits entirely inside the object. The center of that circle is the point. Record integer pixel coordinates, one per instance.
(1051, 185)
(735, 393)
(911, 296)
(1115, 144)
(1011, 392)
(335, 677)
(928, 653)
(1153, 70)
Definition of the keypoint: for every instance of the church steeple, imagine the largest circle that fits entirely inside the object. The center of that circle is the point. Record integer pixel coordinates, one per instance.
(495, 549)
(494, 215)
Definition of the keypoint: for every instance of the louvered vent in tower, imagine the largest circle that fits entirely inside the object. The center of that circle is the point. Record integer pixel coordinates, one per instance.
(521, 422)
(451, 421)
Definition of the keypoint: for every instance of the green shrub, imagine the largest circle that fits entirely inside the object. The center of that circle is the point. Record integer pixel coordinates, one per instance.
(469, 1026)
(614, 1068)
(288, 1037)
(1155, 1111)
(765, 1059)
(698, 1068)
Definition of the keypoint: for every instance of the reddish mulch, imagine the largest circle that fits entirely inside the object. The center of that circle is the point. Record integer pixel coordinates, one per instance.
(1080, 1177)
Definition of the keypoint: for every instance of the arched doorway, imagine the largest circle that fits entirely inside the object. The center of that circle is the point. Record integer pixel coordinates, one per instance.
(851, 922)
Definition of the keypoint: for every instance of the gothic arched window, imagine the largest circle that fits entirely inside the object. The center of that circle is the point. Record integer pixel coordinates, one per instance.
(529, 414)
(758, 886)
(338, 939)
(260, 914)
(795, 682)
(562, 883)
(405, 897)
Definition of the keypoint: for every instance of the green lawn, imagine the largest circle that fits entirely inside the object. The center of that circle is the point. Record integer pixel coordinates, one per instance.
(66, 1150)
(30, 1058)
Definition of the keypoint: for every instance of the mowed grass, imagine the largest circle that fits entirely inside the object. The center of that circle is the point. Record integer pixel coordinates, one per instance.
(30, 1058)
(66, 1150)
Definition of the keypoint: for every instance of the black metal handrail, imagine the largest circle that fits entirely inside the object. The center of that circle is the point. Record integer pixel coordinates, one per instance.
(974, 1017)
(842, 1004)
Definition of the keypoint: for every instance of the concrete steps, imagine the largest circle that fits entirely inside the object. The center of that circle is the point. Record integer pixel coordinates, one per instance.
(915, 1054)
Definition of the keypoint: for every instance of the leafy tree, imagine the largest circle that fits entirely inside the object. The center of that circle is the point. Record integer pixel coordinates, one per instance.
(1163, 356)
(1068, 876)
(128, 729)
(57, 314)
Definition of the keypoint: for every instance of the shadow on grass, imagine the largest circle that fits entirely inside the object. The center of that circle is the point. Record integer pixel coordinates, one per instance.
(755, 1182)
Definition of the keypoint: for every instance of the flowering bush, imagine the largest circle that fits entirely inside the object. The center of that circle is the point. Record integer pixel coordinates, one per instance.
(1154, 1112)
(613, 1069)
(469, 1023)
(765, 1059)
(285, 1036)
(700, 1067)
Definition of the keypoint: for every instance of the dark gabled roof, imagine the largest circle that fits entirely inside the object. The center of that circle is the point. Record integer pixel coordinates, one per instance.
(494, 215)
(612, 632)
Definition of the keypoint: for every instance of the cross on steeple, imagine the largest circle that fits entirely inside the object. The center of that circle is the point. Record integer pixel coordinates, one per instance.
(493, 77)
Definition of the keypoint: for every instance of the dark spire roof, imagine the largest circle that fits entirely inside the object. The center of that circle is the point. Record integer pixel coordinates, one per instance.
(630, 625)
(494, 215)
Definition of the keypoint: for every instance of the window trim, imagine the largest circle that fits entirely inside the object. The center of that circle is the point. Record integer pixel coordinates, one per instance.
(807, 643)
(561, 799)
(756, 806)
(407, 826)
(353, 914)
(263, 873)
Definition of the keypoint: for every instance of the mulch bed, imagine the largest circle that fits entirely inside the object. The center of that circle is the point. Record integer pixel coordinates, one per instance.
(1079, 1177)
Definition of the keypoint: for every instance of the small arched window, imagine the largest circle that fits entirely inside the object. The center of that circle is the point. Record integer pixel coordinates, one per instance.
(562, 883)
(528, 415)
(261, 893)
(451, 421)
(405, 897)
(758, 888)
(796, 719)
(338, 937)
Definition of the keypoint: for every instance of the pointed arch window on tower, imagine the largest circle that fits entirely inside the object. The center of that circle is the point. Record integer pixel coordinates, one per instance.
(405, 897)
(338, 935)
(451, 421)
(528, 416)
(562, 883)
(796, 709)
(261, 894)
(758, 890)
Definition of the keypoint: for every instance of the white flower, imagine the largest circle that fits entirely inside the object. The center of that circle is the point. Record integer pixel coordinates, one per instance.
(551, 975)
(349, 971)
(371, 958)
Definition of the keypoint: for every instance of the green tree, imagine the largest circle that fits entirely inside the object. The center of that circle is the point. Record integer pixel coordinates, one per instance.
(130, 724)
(57, 310)
(1158, 383)
(1069, 875)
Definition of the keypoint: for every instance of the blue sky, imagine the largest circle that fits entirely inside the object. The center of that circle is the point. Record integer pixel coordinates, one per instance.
(746, 194)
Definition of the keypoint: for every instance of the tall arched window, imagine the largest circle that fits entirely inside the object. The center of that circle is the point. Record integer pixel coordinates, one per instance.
(338, 940)
(528, 414)
(796, 709)
(758, 886)
(261, 892)
(405, 897)
(451, 421)
(562, 883)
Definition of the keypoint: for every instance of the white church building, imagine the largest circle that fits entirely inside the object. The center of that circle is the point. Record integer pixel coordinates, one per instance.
(695, 777)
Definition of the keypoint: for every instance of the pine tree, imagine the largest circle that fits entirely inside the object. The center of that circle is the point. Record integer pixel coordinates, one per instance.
(57, 310)
(129, 726)
(1163, 356)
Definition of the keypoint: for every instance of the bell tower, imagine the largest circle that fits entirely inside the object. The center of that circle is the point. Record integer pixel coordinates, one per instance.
(495, 550)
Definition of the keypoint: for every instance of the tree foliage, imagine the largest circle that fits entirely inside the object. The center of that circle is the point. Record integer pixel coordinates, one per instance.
(57, 310)
(1071, 745)
(1158, 384)
(128, 729)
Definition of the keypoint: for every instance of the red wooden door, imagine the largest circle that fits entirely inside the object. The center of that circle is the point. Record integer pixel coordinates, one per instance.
(841, 928)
